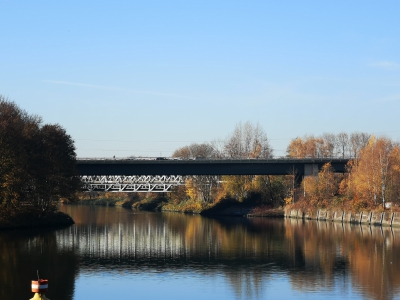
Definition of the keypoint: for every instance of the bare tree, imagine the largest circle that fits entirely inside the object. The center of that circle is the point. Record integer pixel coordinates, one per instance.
(218, 147)
(260, 144)
(183, 152)
(195, 150)
(234, 144)
(201, 150)
(248, 141)
(329, 144)
(358, 140)
(342, 140)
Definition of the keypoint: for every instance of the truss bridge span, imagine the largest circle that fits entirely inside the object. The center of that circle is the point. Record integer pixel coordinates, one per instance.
(135, 183)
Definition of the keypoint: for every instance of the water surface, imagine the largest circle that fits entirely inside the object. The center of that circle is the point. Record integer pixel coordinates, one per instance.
(118, 253)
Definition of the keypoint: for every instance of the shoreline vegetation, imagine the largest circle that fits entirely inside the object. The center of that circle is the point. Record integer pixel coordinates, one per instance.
(37, 169)
(152, 202)
(371, 182)
(37, 172)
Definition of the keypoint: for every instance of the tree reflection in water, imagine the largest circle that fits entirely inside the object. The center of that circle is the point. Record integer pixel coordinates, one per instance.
(23, 253)
(315, 257)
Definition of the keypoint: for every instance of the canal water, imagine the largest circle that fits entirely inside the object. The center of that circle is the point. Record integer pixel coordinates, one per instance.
(116, 253)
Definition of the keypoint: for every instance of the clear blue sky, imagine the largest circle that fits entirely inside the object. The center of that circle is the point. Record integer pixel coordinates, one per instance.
(146, 77)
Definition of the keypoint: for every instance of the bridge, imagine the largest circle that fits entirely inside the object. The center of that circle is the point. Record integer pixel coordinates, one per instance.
(133, 175)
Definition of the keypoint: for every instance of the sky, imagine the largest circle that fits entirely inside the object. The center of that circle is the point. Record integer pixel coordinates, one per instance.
(143, 78)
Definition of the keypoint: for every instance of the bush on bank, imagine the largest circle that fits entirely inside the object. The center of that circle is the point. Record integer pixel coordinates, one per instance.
(187, 206)
(151, 203)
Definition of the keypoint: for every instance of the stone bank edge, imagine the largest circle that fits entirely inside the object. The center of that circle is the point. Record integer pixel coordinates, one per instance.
(391, 219)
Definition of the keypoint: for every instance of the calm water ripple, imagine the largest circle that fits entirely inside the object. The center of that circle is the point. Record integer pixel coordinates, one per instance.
(125, 254)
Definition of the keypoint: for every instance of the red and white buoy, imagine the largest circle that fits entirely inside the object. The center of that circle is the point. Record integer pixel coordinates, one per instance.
(39, 287)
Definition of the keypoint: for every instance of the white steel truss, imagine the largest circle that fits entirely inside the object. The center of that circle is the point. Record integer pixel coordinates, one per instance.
(143, 183)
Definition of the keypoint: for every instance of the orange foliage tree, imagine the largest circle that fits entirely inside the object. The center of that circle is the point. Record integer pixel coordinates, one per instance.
(322, 188)
(328, 145)
(374, 177)
(237, 186)
(310, 146)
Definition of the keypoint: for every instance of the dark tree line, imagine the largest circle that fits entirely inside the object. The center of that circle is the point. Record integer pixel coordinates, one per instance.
(37, 161)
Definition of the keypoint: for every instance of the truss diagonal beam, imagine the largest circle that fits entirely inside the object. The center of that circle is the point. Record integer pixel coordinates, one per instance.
(143, 183)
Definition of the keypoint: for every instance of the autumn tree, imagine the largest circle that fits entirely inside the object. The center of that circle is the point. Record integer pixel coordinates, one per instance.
(202, 188)
(322, 188)
(272, 189)
(37, 162)
(328, 145)
(308, 147)
(296, 148)
(374, 175)
(248, 141)
(237, 186)
(199, 187)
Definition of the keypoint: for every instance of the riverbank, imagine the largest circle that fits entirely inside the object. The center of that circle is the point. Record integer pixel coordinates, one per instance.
(30, 220)
(377, 218)
(224, 207)
(104, 202)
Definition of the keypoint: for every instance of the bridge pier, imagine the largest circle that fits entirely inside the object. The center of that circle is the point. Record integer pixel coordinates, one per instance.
(311, 169)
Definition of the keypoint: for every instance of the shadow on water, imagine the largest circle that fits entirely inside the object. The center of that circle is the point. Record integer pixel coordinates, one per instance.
(25, 252)
(312, 255)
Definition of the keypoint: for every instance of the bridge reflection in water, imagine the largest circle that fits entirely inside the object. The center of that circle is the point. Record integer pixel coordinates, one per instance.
(325, 259)
(315, 255)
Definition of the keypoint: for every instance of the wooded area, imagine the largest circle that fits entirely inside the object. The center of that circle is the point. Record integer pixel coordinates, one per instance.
(37, 163)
